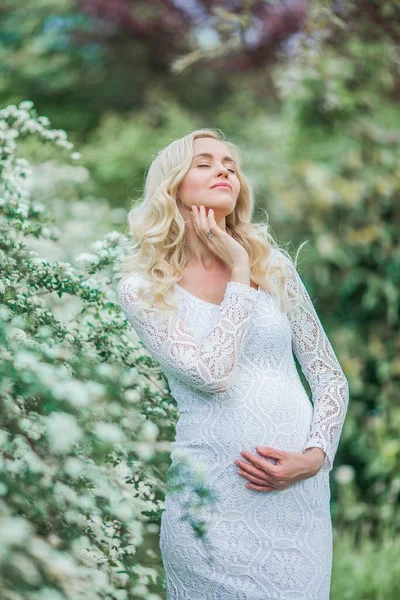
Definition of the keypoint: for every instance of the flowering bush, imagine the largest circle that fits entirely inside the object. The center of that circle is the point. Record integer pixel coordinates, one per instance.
(86, 415)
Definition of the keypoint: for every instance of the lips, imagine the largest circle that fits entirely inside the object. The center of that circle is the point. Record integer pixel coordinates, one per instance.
(227, 185)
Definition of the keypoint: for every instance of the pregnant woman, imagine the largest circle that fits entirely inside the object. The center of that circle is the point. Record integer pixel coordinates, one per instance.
(223, 309)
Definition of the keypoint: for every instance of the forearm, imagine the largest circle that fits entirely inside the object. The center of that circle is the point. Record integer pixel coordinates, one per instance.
(330, 397)
(207, 364)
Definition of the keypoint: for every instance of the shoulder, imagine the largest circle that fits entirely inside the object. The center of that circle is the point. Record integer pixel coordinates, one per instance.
(293, 284)
(279, 255)
(281, 258)
(129, 286)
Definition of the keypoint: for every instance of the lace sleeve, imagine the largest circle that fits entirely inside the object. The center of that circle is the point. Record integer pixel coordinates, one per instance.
(329, 386)
(207, 365)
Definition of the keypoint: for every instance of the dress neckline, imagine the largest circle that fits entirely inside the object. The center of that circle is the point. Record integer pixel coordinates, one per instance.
(200, 299)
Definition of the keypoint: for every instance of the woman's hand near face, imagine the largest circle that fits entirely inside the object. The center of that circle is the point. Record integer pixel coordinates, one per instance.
(222, 244)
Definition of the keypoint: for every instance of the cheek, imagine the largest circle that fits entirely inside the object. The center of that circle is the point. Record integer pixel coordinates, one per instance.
(192, 183)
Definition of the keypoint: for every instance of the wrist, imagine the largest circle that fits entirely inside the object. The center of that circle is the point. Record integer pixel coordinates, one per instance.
(241, 265)
(315, 458)
(241, 273)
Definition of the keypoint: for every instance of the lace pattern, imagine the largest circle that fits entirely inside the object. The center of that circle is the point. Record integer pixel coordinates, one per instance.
(328, 383)
(231, 369)
(207, 365)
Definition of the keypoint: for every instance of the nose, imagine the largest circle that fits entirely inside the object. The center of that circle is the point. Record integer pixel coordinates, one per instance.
(223, 170)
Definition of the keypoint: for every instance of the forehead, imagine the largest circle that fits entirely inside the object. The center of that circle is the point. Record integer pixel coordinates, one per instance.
(210, 145)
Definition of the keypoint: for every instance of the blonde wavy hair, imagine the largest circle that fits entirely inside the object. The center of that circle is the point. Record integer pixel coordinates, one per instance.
(157, 250)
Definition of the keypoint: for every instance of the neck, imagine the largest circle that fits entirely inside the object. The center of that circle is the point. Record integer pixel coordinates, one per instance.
(198, 252)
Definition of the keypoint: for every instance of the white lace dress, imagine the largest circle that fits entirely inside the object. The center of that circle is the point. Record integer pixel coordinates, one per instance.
(231, 369)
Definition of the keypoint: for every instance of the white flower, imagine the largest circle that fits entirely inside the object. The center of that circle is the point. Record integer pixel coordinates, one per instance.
(38, 207)
(140, 590)
(105, 370)
(44, 331)
(61, 566)
(200, 472)
(87, 258)
(25, 105)
(74, 391)
(115, 236)
(47, 593)
(99, 579)
(86, 502)
(98, 245)
(89, 284)
(129, 377)
(23, 115)
(181, 453)
(18, 321)
(80, 543)
(73, 466)
(27, 569)
(108, 432)
(149, 431)
(124, 512)
(11, 134)
(344, 474)
(14, 530)
(44, 121)
(25, 360)
(144, 450)
(17, 334)
(95, 390)
(63, 431)
(23, 210)
(46, 232)
(32, 126)
(5, 312)
(120, 594)
(60, 134)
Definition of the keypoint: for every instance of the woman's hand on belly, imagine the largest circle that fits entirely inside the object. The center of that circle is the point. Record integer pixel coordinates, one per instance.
(289, 468)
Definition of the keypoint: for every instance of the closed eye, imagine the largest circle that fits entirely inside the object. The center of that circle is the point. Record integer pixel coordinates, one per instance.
(231, 170)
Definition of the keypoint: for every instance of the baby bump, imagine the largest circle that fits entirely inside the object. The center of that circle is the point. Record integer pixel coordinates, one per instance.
(258, 410)
(275, 414)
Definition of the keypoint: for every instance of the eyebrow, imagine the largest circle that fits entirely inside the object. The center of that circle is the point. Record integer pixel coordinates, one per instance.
(208, 155)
